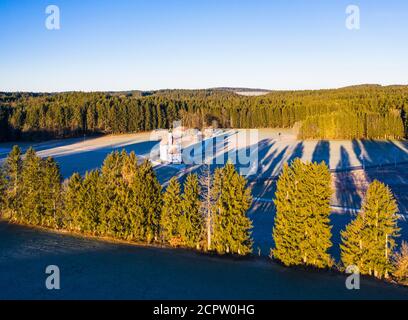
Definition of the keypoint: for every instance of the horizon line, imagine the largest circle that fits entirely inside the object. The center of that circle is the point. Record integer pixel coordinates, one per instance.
(221, 88)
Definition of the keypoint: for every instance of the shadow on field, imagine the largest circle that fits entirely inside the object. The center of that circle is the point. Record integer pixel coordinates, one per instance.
(386, 161)
(45, 145)
(346, 192)
(89, 160)
(322, 152)
(297, 152)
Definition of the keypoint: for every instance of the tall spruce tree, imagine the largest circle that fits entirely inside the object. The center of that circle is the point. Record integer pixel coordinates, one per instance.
(90, 200)
(369, 241)
(287, 230)
(192, 221)
(13, 170)
(51, 193)
(3, 188)
(401, 264)
(148, 201)
(120, 209)
(32, 201)
(301, 231)
(72, 203)
(112, 186)
(232, 227)
(132, 219)
(171, 214)
(317, 192)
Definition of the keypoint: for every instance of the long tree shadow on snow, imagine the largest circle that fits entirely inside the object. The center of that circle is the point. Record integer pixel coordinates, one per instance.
(83, 161)
(321, 152)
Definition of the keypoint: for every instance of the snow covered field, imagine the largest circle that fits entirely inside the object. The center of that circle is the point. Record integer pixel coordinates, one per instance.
(274, 148)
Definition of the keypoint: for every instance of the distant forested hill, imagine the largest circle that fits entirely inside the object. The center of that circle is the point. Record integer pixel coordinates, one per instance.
(368, 111)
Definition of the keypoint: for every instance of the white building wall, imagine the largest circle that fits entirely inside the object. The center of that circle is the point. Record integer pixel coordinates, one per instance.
(164, 152)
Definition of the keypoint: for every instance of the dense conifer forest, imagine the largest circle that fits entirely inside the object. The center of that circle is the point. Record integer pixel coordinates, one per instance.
(367, 111)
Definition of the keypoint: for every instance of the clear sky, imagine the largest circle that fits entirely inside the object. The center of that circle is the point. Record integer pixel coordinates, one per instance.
(153, 44)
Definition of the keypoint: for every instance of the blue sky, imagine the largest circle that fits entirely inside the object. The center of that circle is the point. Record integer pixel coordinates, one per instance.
(153, 44)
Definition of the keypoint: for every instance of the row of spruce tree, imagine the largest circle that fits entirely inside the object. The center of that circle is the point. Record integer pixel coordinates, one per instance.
(124, 200)
(302, 231)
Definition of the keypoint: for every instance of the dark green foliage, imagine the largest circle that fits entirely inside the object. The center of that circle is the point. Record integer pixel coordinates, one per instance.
(51, 193)
(369, 240)
(192, 221)
(231, 226)
(171, 214)
(133, 218)
(112, 211)
(41, 190)
(353, 112)
(349, 125)
(32, 206)
(301, 232)
(72, 195)
(3, 189)
(400, 260)
(4, 124)
(124, 200)
(148, 201)
(90, 200)
(13, 171)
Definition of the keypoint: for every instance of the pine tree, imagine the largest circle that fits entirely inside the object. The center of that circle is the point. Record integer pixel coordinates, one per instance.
(13, 171)
(369, 240)
(72, 203)
(192, 218)
(32, 202)
(316, 191)
(90, 200)
(401, 264)
(232, 227)
(111, 184)
(148, 202)
(287, 231)
(171, 214)
(3, 188)
(120, 210)
(132, 218)
(207, 202)
(353, 251)
(301, 231)
(137, 212)
(51, 193)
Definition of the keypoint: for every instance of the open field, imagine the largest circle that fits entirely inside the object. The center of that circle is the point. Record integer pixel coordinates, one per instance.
(353, 164)
(274, 147)
(94, 269)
